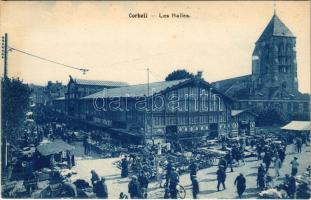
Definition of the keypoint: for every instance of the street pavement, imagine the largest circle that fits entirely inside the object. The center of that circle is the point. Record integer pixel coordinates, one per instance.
(206, 177)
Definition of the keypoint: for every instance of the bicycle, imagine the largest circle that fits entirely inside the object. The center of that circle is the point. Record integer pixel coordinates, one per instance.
(181, 191)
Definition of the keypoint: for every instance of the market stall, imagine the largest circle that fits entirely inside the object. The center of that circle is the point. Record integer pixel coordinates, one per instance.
(55, 154)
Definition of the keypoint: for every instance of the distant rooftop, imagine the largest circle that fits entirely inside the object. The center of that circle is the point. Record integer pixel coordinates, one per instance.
(136, 90)
(100, 83)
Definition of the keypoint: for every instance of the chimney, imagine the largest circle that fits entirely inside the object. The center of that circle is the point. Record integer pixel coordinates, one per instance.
(199, 74)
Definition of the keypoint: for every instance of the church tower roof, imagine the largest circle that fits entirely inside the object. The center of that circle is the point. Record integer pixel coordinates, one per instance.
(275, 28)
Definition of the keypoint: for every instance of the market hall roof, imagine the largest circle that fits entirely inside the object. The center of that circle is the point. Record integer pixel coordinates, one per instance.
(298, 126)
(141, 90)
(100, 83)
(275, 28)
(53, 147)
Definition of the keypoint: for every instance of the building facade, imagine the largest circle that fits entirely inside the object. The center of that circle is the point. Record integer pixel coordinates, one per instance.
(158, 112)
(242, 123)
(78, 88)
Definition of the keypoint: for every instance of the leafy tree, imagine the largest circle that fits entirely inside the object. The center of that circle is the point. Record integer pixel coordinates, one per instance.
(270, 116)
(179, 74)
(14, 105)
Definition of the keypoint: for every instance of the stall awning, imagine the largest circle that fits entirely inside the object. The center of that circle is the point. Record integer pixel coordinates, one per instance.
(298, 126)
(53, 147)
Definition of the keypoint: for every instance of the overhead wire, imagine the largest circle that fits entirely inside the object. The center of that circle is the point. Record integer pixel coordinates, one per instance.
(84, 70)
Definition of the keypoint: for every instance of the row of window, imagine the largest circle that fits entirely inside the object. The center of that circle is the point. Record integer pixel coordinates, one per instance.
(193, 119)
(285, 106)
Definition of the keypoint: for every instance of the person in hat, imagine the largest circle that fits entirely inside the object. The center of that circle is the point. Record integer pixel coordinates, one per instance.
(124, 167)
(169, 167)
(144, 182)
(295, 165)
(240, 183)
(174, 180)
(195, 186)
(221, 177)
(277, 166)
(229, 159)
(101, 189)
(134, 188)
(193, 167)
(94, 177)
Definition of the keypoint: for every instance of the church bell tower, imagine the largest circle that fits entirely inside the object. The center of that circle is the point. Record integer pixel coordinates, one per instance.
(274, 58)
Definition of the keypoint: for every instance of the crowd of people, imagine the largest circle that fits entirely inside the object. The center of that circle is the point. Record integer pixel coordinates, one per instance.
(143, 170)
(269, 153)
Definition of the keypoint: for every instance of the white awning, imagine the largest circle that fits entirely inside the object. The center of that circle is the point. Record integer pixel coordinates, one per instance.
(298, 126)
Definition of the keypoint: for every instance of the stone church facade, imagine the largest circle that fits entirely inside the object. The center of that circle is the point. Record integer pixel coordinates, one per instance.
(273, 82)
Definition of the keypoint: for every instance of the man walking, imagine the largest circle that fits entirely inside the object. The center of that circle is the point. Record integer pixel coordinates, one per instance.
(193, 167)
(221, 177)
(295, 165)
(277, 166)
(229, 160)
(240, 183)
(169, 167)
(299, 144)
(267, 159)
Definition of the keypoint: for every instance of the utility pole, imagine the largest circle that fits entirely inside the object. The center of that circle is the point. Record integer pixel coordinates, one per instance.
(4, 56)
(151, 105)
(4, 53)
(148, 80)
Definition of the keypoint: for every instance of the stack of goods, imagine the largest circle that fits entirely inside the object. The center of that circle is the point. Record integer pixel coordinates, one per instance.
(271, 194)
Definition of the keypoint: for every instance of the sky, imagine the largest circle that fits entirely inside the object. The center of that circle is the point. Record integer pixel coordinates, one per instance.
(218, 38)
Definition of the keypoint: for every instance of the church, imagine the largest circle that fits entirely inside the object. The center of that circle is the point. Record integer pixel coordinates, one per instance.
(273, 82)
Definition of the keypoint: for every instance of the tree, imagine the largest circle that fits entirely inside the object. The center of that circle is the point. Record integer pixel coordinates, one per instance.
(14, 105)
(179, 74)
(270, 116)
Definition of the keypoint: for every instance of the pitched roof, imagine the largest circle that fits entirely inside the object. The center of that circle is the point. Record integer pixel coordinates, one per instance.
(135, 90)
(230, 86)
(100, 83)
(298, 126)
(142, 89)
(275, 28)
